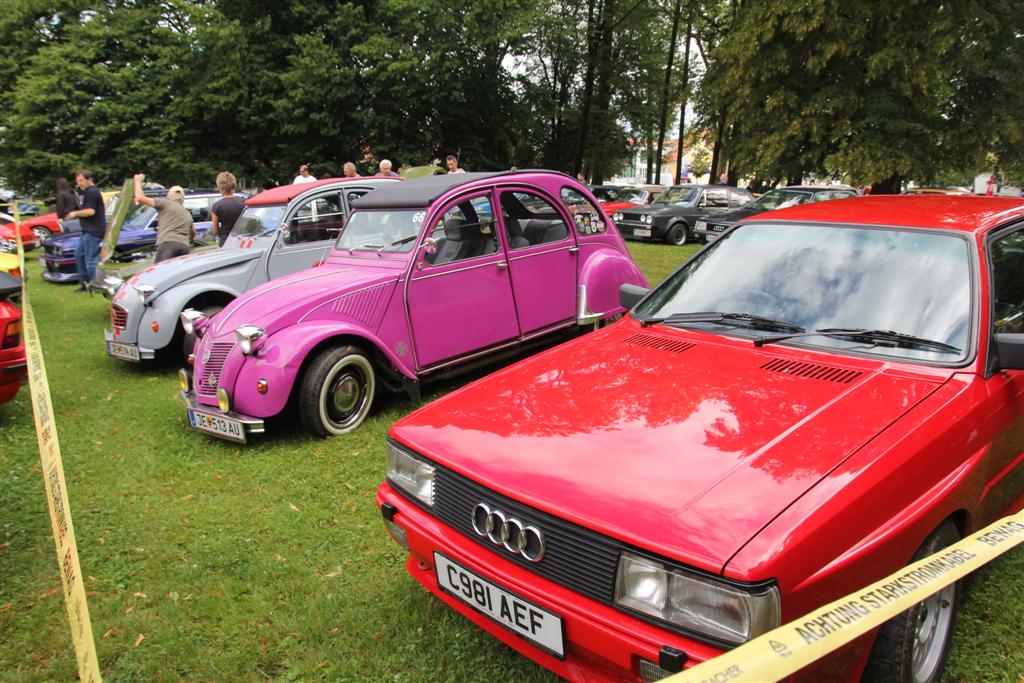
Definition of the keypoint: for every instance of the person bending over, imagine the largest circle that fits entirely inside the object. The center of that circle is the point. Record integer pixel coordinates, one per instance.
(174, 230)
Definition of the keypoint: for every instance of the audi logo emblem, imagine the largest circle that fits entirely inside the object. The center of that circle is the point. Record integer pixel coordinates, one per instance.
(508, 532)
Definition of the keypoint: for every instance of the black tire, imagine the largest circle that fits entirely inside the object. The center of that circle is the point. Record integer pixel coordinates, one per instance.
(337, 391)
(898, 655)
(188, 341)
(677, 234)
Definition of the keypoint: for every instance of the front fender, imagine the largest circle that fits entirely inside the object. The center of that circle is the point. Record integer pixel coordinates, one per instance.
(281, 358)
(166, 309)
(602, 272)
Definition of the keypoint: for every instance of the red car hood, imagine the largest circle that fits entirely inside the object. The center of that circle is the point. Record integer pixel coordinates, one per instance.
(612, 207)
(681, 442)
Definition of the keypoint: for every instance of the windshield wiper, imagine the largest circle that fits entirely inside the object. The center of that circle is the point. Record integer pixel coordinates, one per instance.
(365, 246)
(398, 242)
(876, 337)
(743, 319)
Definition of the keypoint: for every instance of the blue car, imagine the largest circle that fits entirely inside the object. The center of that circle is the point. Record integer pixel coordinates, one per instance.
(138, 235)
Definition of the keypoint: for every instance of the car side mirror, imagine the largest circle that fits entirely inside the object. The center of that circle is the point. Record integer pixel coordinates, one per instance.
(630, 295)
(1009, 351)
(430, 246)
(284, 235)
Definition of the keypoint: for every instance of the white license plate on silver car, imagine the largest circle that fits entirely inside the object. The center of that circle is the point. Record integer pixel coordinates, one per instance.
(123, 351)
(642, 232)
(224, 427)
(537, 625)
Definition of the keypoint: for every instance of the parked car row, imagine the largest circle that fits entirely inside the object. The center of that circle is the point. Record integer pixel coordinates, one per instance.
(821, 394)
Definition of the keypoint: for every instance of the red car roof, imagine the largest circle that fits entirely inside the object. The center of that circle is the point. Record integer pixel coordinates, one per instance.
(963, 213)
(285, 193)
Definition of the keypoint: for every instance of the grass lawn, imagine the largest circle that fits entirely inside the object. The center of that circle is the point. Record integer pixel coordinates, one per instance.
(211, 561)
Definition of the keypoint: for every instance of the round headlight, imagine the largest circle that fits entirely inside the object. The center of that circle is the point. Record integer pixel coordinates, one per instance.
(223, 400)
(184, 381)
(617, 216)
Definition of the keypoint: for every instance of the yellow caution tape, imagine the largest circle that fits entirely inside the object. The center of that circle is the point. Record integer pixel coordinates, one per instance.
(56, 491)
(791, 647)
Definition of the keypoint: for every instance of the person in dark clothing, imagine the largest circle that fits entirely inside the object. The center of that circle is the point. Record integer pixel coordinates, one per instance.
(93, 220)
(67, 201)
(226, 210)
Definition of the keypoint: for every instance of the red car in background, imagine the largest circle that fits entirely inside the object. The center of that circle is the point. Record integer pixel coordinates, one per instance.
(820, 396)
(12, 344)
(9, 233)
(632, 197)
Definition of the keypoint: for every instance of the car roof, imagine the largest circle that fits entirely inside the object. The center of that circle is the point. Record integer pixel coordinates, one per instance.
(422, 192)
(286, 193)
(971, 214)
(815, 188)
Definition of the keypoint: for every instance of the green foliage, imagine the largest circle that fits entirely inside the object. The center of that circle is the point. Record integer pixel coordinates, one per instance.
(869, 90)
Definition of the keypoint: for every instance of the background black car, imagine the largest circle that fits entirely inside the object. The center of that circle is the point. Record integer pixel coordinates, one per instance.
(713, 226)
(672, 216)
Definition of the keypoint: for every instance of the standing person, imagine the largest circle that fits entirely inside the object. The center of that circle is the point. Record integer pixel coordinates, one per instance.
(226, 210)
(304, 176)
(174, 231)
(385, 169)
(93, 220)
(349, 170)
(453, 164)
(66, 199)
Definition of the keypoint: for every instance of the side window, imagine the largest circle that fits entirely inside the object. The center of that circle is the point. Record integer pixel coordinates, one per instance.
(320, 218)
(531, 220)
(585, 215)
(738, 199)
(199, 207)
(465, 230)
(716, 198)
(1008, 282)
(353, 195)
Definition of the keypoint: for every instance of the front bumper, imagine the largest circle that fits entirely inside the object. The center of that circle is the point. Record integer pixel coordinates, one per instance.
(109, 337)
(709, 231)
(601, 643)
(643, 232)
(247, 424)
(59, 269)
(12, 375)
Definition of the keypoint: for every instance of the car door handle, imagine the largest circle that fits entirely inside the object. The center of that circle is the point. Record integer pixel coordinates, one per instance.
(502, 265)
(574, 250)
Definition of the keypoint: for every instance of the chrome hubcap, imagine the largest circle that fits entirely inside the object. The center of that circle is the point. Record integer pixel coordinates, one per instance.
(345, 395)
(931, 633)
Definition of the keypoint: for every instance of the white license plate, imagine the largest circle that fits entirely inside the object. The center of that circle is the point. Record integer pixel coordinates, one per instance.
(217, 424)
(123, 351)
(642, 232)
(539, 626)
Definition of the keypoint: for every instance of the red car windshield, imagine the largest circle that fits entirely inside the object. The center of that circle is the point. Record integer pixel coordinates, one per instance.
(826, 277)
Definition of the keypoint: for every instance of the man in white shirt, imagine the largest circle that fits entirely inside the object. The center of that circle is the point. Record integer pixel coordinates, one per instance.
(453, 164)
(304, 176)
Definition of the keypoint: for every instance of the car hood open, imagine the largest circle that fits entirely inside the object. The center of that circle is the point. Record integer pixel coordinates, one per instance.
(680, 442)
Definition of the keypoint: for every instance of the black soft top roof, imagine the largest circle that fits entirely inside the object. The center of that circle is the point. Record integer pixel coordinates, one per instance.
(419, 192)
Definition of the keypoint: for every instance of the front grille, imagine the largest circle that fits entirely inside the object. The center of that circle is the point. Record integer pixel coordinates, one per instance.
(208, 371)
(574, 557)
(118, 317)
(635, 217)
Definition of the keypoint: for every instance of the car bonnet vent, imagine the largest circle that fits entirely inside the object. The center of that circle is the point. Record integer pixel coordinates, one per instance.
(811, 370)
(655, 342)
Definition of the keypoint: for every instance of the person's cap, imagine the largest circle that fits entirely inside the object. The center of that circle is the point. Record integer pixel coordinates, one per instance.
(176, 192)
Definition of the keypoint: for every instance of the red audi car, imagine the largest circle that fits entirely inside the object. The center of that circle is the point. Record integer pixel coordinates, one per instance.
(809, 403)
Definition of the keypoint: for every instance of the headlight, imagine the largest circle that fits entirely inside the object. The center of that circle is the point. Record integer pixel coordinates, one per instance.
(223, 400)
(184, 380)
(188, 318)
(648, 218)
(112, 283)
(410, 474)
(696, 603)
(146, 292)
(247, 336)
(700, 225)
(617, 216)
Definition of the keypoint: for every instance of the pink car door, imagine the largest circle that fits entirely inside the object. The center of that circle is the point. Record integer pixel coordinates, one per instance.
(459, 293)
(542, 255)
